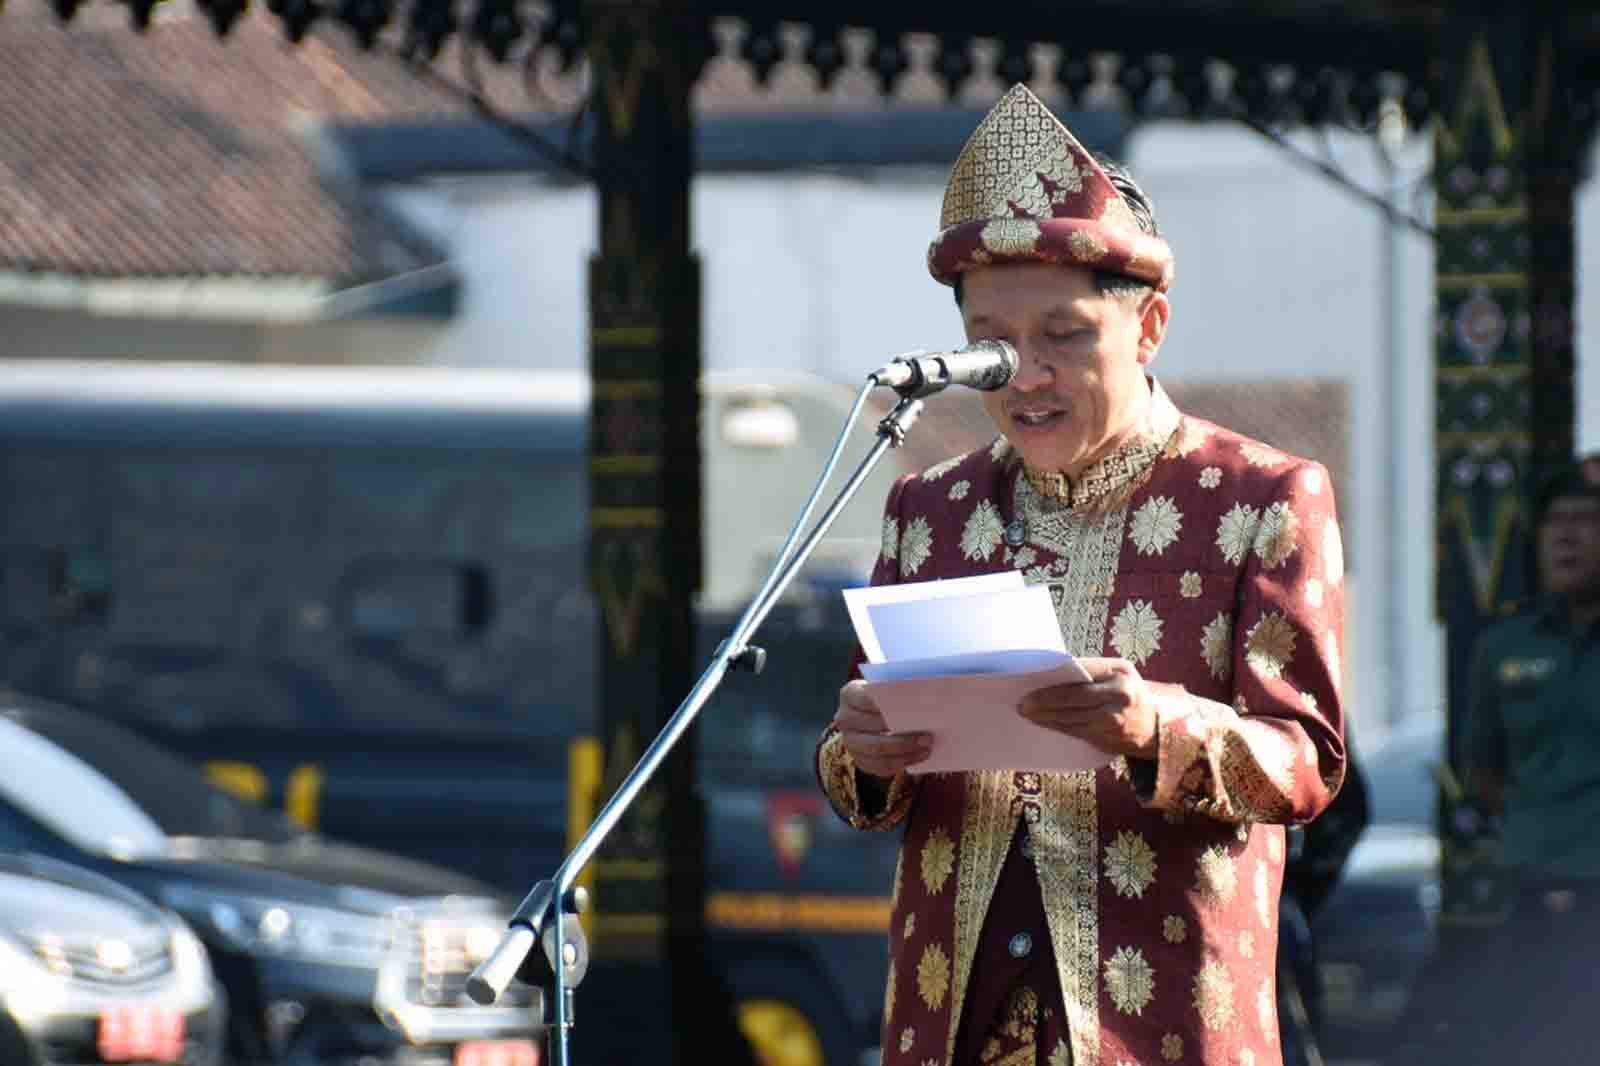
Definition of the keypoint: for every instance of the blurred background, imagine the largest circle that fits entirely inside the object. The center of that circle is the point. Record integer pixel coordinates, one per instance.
(302, 415)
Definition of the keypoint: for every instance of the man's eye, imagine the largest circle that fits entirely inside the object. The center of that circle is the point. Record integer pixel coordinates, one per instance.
(1067, 337)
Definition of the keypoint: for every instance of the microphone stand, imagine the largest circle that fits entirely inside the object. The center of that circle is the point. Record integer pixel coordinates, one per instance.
(546, 915)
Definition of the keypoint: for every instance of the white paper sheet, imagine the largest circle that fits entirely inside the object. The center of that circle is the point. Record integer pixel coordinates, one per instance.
(858, 601)
(955, 658)
(1021, 619)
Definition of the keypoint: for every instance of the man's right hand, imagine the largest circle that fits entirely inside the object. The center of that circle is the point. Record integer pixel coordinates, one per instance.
(876, 751)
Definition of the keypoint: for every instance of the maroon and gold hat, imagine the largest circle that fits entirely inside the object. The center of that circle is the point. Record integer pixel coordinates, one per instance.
(1024, 190)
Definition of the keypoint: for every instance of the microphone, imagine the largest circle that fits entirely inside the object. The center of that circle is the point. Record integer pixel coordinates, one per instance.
(986, 365)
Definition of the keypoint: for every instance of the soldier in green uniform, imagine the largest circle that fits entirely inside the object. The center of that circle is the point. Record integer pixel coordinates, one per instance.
(1525, 990)
(1532, 741)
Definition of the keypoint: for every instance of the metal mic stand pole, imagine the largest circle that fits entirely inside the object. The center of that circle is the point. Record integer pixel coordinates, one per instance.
(543, 915)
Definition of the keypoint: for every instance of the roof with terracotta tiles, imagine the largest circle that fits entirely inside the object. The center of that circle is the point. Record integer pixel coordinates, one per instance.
(182, 155)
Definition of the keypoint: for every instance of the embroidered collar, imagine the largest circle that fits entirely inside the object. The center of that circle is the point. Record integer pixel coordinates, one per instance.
(1114, 477)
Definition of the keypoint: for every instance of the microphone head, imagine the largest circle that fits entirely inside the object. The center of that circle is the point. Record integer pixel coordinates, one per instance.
(1006, 363)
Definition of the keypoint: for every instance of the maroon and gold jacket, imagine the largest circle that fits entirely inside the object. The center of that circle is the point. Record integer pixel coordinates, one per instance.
(1207, 560)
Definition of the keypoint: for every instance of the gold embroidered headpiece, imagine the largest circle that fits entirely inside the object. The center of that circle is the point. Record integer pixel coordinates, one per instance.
(1024, 190)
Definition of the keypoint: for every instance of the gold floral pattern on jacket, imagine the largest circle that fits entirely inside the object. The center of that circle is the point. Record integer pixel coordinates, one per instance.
(1215, 875)
(933, 976)
(1269, 645)
(1216, 646)
(938, 861)
(1236, 533)
(1156, 525)
(983, 532)
(916, 544)
(1130, 981)
(1277, 538)
(1136, 633)
(1130, 864)
(1213, 994)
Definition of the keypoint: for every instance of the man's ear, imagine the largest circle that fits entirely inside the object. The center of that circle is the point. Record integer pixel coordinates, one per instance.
(1153, 326)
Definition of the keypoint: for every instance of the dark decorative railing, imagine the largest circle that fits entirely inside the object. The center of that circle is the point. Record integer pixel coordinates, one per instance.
(1208, 82)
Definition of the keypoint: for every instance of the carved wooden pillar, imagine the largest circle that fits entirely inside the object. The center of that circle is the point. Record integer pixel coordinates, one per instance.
(1507, 153)
(648, 996)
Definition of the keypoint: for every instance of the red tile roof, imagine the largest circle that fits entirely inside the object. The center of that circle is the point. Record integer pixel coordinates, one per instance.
(177, 154)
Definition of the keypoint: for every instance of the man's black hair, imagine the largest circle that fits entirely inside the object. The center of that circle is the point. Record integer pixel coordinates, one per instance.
(1566, 480)
(1144, 213)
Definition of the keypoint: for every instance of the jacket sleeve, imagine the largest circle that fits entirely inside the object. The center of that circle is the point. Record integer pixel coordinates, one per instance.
(1278, 753)
(862, 800)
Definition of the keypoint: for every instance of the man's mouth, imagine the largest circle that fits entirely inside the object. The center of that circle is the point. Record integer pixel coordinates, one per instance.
(1037, 417)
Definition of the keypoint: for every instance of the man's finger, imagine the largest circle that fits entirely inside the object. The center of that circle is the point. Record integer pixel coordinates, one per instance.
(1077, 695)
(890, 744)
(857, 694)
(1100, 669)
(857, 720)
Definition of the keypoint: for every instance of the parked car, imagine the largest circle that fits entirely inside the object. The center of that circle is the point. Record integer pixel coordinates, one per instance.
(1378, 926)
(93, 972)
(329, 953)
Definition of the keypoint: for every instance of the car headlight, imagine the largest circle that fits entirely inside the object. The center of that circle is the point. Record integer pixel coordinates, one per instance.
(189, 959)
(320, 935)
(29, 988)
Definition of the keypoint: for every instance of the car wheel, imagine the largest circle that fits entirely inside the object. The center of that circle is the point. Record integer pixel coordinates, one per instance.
(787, 1016)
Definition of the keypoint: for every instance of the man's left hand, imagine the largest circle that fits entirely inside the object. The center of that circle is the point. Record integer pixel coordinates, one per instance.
(1115, 710)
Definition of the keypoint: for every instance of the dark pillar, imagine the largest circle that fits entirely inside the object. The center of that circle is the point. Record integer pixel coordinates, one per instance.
(650, 977)
(1507, 155)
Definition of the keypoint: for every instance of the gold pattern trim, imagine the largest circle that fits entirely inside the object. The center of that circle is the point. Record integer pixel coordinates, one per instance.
(985, 837)
(626, 517)
(628, 388)
(1478, 216)
(1066, 837)
(1499, 373)
(1064, 846)
(838, 773)
(1001, 162)
(1109, 481)
(1088, 547)
(626, 465)
(1503, 280)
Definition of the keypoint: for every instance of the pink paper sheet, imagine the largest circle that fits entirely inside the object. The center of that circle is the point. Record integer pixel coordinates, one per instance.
(975, 724)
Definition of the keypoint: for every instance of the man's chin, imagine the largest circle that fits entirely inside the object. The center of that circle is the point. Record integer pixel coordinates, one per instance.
(1048, 457)
(1573, 586)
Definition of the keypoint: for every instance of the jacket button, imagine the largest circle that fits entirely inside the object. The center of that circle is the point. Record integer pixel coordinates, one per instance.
(1020, 945)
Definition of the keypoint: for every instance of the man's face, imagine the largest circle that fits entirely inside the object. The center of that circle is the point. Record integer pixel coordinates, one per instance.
(1081, 388)
(1569, 547)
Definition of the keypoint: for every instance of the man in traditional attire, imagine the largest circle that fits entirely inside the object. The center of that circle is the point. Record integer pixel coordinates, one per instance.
(1129, 914)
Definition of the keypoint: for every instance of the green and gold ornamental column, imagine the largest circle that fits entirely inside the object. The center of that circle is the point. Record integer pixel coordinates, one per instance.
(650, 995)
(1506, 155)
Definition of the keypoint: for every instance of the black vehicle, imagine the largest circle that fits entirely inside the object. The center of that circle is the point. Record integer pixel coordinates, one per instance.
(93, 972)
(1379, 924)
(359, 595)
(328, 953)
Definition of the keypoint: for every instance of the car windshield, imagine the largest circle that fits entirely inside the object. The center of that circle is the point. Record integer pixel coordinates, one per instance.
(168, 795)
(1400, 772)
(35, 775)
(762, 731)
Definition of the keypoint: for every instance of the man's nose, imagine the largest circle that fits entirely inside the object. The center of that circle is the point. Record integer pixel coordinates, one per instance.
(1033, 373)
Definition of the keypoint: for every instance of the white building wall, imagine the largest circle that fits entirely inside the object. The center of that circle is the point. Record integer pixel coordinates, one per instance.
(1278, 275)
